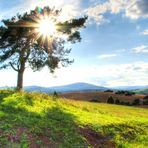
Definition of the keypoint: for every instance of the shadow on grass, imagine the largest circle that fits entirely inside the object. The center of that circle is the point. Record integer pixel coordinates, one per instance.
(54, 127)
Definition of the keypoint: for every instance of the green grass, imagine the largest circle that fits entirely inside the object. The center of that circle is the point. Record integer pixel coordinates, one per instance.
(39, 117)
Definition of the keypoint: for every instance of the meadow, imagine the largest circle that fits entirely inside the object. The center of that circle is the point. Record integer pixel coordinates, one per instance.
(39, 120)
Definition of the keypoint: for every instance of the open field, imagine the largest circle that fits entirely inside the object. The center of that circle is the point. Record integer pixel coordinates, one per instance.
(37, 120)
(100, 96)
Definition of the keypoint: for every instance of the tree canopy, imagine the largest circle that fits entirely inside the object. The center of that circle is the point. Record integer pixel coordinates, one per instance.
(24, 41)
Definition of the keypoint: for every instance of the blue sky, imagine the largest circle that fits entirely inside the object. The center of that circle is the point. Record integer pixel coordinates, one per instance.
(114, 47)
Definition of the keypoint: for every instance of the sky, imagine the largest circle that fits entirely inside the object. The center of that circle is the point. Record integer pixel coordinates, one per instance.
(113, 50)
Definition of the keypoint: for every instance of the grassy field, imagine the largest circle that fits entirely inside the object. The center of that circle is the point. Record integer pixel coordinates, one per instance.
(38, 120)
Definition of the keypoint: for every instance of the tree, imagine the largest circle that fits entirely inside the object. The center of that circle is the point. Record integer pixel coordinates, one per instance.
(55, 95)
(145, 100)
(37, 39)
(136, 102)
(117, 101)
(110, 100)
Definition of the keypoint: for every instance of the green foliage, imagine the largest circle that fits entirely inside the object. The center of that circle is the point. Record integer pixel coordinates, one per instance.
(24, 116)
(24, 143)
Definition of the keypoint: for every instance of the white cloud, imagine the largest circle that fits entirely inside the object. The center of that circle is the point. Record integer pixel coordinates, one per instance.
(108, 75)
(133, 9)
(140, 49)
(104, 56)
(145, 32)
(137, 9)
(96, 13)
(69, 8)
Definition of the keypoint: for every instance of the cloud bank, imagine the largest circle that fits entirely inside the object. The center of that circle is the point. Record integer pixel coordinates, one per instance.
(105, 75)
(140, 49)
(70, 8)
(133, 9)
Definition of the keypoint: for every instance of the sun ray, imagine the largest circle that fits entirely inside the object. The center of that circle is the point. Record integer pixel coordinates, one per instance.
(43, 26)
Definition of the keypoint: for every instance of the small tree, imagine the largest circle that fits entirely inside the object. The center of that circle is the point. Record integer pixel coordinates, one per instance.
(136, 102)
(55, 95)
(110, 100)
(145, 100)
(37, 39)
(117, 101)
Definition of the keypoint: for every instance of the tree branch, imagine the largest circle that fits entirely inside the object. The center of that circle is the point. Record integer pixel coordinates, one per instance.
(13, 67)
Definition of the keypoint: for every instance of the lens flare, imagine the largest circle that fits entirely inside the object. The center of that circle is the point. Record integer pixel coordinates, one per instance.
(47, 27)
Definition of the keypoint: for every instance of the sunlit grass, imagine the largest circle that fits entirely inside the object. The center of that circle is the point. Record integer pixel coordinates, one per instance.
(59, 119)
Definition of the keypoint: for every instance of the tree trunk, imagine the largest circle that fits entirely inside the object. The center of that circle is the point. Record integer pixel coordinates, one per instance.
(20, 74)
(20, 79)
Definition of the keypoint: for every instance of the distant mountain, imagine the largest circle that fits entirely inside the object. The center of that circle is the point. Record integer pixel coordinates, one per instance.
(67, 88)
(82, 87)
(130, 87)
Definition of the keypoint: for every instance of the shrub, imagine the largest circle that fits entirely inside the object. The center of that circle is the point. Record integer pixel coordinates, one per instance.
(136, 102)
(127, 103)
(108, 90)
(117, 101)
(122, 103)
(110, 100)
(55, 95)
(94, 100)
(145, 100)
(126, 93)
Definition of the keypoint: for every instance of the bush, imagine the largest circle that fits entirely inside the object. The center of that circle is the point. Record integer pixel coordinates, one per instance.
(117, 101)
(136, 102)
(108, 90)
(94, 100)
(126, 93)
(127, 103)
(55, 95)
(120, 92)
(145, 100)
(110, 100)
(122, 103)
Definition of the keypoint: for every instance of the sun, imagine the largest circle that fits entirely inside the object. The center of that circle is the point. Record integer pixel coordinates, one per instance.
(46, 27)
